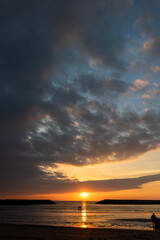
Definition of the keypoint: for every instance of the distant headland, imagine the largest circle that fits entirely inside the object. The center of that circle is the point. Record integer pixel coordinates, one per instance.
(24, 202)
(129, 202)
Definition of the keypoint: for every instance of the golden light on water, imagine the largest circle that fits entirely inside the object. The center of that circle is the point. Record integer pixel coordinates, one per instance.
(84, 215)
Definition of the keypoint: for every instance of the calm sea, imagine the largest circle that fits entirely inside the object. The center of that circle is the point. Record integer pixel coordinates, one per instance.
(91, 215)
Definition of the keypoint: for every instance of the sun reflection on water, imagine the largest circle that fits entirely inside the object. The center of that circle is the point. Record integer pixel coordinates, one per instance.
(84, 215)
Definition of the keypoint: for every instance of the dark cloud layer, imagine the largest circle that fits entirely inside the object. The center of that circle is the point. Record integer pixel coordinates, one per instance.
(62, 185)
(53, 109)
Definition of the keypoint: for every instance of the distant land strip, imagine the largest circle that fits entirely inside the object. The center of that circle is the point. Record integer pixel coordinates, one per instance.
(129, 202)
(24, 202)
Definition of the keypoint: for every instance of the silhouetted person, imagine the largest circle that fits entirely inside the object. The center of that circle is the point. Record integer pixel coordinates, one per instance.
(79, 208)
(156, 221)
(153, 217)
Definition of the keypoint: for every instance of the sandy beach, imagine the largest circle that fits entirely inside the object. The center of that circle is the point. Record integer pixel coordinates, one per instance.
(28, 232)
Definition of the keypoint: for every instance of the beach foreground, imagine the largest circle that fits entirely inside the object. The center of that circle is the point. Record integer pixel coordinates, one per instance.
(28, 232)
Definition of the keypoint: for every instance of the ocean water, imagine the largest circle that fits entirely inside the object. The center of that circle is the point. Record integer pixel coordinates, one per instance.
(91, 215)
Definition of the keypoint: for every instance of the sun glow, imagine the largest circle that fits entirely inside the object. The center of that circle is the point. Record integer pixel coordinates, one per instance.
(84, 194)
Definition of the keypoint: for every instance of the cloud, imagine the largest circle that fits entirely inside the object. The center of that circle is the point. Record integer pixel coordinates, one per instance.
(47, 186)
(155, 68)
(147, 24)
(98, 86)
(55, 107)
(139, 84)
(152, 47)
(151, 94)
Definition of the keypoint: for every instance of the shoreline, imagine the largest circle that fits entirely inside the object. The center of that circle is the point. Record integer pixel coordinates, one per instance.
(44, 232)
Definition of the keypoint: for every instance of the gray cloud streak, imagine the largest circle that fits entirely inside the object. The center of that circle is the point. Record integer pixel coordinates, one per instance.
(66, 186)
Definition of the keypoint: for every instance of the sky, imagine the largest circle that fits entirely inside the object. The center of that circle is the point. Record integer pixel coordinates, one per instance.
(80, 99)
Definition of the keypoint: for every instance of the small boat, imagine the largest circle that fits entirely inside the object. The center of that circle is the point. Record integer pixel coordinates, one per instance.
(156, 222)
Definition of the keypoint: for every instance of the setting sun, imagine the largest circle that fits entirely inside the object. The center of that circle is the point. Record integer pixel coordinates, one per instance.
(84, 194)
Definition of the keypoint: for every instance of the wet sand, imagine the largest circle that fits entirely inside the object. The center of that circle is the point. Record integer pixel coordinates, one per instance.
(28, 232)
